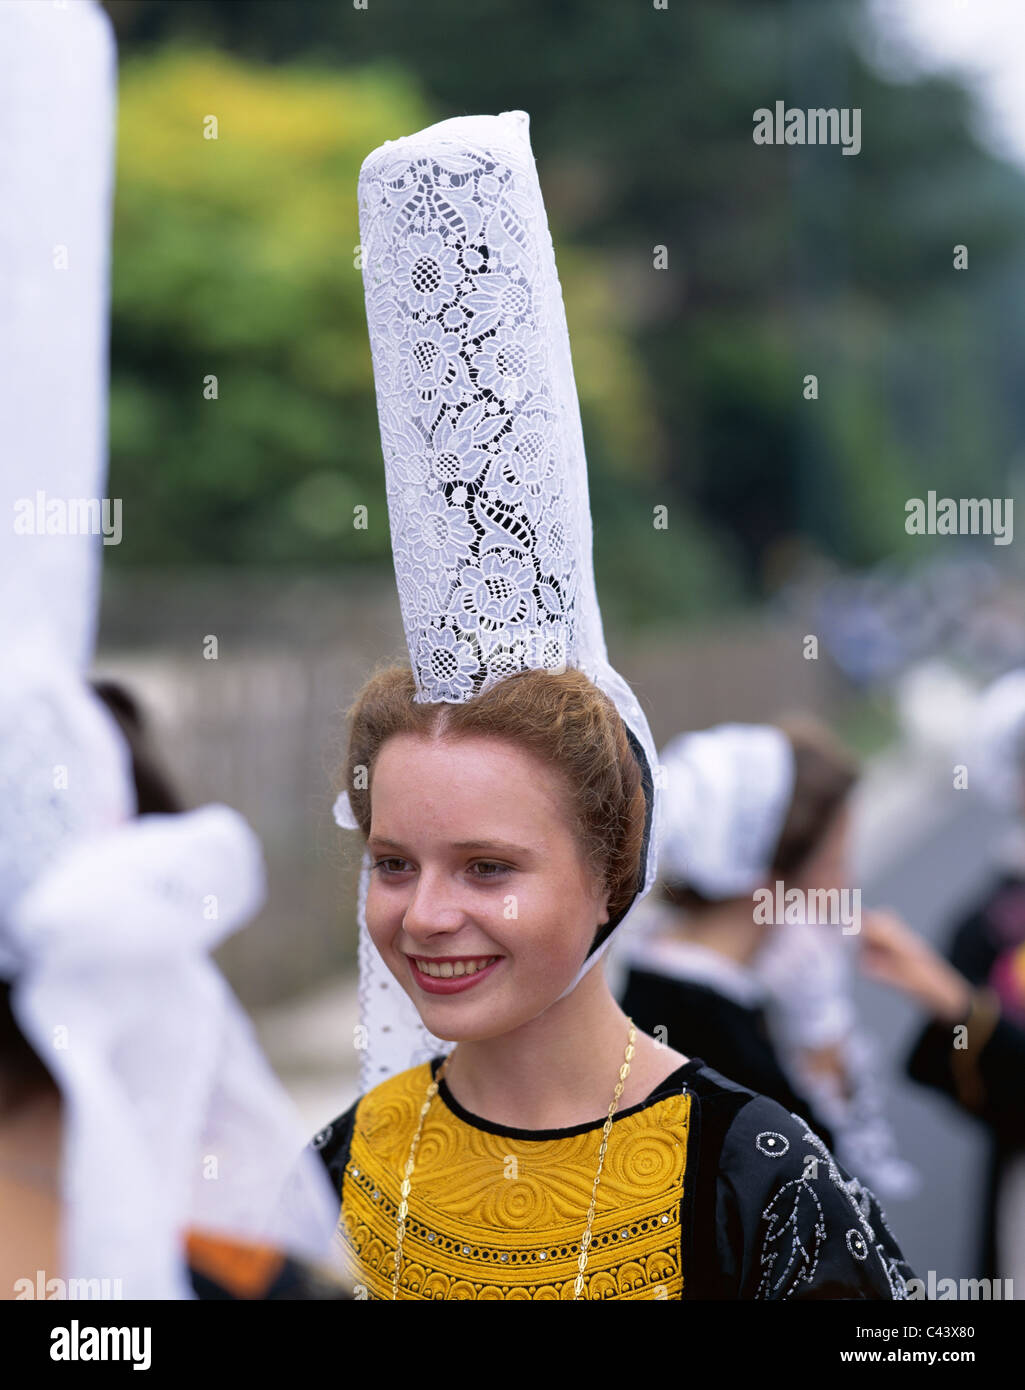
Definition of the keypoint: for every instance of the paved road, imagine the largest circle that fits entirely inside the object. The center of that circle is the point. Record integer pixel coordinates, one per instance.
(931, 885)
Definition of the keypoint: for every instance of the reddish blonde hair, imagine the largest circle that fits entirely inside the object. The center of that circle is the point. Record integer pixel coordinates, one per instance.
(564, 720)
(825, 774)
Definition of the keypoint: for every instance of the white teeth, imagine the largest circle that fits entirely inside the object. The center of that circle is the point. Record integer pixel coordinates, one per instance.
(445, 970)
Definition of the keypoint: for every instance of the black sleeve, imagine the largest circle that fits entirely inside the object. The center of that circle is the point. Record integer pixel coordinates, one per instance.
(986, 1080)
(792, 1223)
(993, 1089)
(972, 949)
(331, 1145)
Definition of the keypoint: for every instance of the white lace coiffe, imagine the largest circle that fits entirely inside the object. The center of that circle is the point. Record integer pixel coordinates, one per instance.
(479, 427)
(484, 457)
(171, 1118)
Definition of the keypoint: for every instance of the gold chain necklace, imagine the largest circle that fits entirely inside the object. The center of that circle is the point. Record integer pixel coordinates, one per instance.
(585, 1240)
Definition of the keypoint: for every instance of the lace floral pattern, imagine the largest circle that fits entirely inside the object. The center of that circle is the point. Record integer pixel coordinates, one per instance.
(458, 269)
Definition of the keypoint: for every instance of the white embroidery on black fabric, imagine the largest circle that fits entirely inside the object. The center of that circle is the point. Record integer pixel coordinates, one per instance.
(861, 1200)
(856, 1244)
(894, 1276)
(881, 1218)
(795, 1212)
(772, 1144)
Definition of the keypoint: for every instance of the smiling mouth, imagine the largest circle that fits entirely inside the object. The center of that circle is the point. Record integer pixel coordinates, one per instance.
(451, 968)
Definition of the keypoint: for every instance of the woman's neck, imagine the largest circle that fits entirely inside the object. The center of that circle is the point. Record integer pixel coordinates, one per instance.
(30, 1133)
(727, 928)
(30, 1146)
(561, 1068)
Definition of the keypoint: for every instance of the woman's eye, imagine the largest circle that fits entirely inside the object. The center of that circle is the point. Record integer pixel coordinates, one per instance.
(484, 869)
(498, 869)
(384, 863)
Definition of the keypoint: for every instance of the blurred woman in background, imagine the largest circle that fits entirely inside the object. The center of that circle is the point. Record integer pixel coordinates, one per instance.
(765, 1001)
(102, 1150)
(972, 1048)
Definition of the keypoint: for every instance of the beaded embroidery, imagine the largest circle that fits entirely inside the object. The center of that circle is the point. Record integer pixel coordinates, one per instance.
(796, 1227)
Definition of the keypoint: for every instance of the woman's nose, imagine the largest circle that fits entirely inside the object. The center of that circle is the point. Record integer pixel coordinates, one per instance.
(434, 905)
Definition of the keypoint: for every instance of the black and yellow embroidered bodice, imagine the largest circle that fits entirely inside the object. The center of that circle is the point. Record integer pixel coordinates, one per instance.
(709, 1191)
(495, 1215)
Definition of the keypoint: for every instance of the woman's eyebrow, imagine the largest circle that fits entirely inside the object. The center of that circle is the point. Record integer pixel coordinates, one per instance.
(501, 846)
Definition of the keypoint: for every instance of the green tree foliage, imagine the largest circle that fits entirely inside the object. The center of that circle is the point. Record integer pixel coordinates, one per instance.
(236, 258)
(782, 262)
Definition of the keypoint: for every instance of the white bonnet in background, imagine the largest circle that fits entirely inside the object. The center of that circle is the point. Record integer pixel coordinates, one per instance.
(726, 797)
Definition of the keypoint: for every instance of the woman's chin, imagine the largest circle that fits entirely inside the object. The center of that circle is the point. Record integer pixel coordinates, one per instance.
(453, 1020)
(443, 1024)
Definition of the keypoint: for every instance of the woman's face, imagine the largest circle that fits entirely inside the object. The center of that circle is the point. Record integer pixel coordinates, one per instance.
(476, 876)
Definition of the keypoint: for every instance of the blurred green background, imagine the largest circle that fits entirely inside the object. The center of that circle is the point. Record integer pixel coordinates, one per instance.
(235, 258)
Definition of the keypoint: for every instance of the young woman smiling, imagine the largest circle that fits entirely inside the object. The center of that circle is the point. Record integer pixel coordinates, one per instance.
(557, 1152)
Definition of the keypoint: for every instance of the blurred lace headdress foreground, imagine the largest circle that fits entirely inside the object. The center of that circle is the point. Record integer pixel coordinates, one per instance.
(484, 461)
(171, 1119)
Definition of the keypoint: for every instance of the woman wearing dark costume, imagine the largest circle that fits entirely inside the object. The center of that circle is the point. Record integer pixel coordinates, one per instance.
(972, 1049)
(503, 785)
(764, 1001)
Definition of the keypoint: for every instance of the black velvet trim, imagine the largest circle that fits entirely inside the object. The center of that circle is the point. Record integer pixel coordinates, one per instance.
(335, 1153)
(607, 928)
(672, 1085)
(714, 1109)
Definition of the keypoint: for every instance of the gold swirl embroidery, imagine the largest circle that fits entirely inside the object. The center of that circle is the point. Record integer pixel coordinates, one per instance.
(498, 1218)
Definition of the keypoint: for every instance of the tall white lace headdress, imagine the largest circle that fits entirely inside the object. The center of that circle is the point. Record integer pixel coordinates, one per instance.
(484, 460)
(171, 1119)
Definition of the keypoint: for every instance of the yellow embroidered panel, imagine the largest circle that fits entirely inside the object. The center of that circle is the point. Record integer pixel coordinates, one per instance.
(493, 1217)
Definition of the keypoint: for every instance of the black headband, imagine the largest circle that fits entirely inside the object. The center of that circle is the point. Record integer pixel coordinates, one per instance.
(607, 928)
